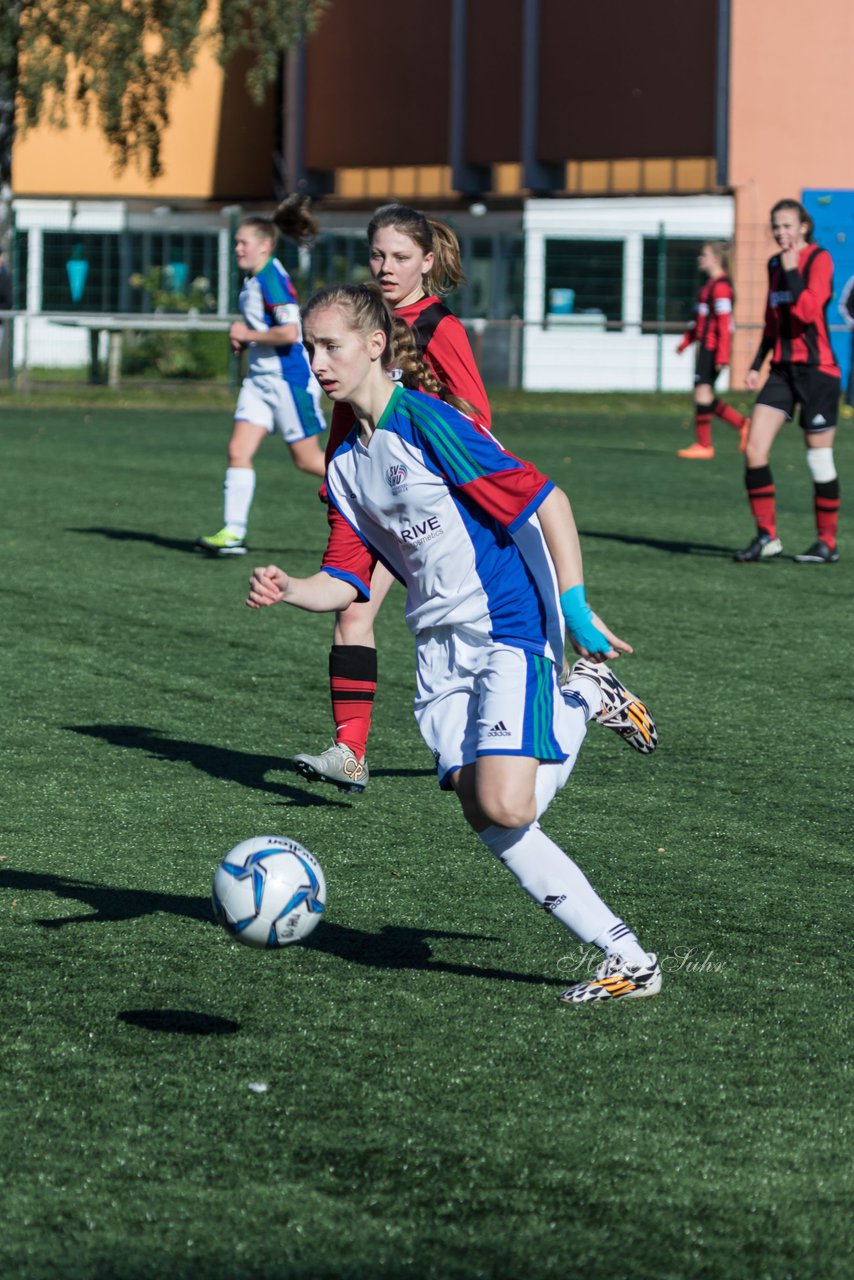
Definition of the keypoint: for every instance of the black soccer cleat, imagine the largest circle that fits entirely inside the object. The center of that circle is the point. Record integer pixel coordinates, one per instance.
(763, 547)
(818, 553)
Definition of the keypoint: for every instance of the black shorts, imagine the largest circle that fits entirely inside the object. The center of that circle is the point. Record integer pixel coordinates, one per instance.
(705, 369)
(817, 393)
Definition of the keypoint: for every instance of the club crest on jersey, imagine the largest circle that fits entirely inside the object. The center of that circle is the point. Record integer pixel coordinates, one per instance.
(395, 477)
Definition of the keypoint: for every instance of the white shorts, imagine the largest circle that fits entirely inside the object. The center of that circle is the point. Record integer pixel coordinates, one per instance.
(478, 698)
(270, 402)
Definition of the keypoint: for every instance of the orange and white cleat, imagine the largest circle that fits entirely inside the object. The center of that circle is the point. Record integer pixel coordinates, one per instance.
(616, 980)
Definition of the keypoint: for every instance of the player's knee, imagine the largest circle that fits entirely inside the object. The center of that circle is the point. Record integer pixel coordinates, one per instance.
(508, 811)
(239, 455)
(754, 456)
(352, 627)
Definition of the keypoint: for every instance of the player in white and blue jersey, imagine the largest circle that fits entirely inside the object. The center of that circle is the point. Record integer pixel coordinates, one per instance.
(488, 551)
(279, 393)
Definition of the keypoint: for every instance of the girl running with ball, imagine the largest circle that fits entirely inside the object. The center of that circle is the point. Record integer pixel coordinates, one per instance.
(488, 551)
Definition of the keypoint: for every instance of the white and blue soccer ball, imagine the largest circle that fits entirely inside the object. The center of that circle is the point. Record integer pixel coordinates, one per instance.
(269, 891)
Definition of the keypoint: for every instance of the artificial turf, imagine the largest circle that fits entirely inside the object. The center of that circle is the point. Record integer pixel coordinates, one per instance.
(431, 1110)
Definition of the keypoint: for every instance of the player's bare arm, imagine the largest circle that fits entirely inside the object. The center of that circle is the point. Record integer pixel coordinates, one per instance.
(589, 636)
(321, 593)
(280, 335)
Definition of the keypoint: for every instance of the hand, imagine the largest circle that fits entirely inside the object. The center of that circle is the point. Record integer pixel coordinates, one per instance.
(267, 586)
(239, 335)
(617, 646)
(751, 379)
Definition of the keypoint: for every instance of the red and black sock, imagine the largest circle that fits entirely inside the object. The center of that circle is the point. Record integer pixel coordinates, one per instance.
(703, 424)
(729, 415)
(826, 500)
(352, 685)
(762, 497)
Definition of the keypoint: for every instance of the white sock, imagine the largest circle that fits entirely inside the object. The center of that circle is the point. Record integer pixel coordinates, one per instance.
(239, 491)
(551, 878)
(585, 692)
(619, 940)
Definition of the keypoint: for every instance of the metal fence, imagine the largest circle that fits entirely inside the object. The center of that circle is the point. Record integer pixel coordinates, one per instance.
(154, 305)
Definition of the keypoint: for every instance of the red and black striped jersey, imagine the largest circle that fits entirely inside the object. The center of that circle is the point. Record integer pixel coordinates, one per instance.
(795, 314)
(712, 326)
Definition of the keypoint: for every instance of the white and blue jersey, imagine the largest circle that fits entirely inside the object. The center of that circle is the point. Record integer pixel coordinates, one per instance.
(441, 503)
(266, 301)
(279, 392)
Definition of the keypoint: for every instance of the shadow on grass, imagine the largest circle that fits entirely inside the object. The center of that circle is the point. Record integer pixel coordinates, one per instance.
(243, 767)
(105, 903)
(391, 947)
(138, 535)
(185, 1022)
(402, 947)
(662, 544)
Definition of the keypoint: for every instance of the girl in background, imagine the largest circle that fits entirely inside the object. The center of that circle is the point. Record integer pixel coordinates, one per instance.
(712, 332)
(279, 392)
(803, 372)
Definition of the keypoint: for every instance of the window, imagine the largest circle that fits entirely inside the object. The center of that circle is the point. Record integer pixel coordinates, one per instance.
(87, 271)
(81, 272)
(592, 273)
(669, 293)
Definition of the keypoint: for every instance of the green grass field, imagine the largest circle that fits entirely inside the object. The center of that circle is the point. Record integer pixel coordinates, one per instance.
(432, 1111)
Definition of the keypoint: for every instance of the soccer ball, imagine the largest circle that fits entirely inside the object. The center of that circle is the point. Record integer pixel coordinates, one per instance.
(268, 891)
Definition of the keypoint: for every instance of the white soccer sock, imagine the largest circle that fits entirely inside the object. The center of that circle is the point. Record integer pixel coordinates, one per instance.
(588, 693)
(619, 940)
(551, 878)
(239, 491)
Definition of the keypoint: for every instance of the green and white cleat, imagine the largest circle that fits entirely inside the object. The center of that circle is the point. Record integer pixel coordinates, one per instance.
(224, 543)
(337, 765)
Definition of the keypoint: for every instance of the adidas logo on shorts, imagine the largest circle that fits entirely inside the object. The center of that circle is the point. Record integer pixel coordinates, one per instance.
(499, 730)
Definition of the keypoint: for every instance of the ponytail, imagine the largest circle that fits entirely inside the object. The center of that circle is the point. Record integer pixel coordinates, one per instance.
(416, 374)
(294, 219)
(291, 219)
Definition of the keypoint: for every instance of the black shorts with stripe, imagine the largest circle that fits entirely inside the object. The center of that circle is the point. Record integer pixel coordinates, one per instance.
(817, 393)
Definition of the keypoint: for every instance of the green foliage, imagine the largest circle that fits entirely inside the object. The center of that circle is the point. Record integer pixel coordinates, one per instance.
(162, 295)
(174, 354)
(118, 63)
(432, 1112)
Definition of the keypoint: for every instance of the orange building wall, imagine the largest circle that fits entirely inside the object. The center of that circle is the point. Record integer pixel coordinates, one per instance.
(790, 128)
(218, 146)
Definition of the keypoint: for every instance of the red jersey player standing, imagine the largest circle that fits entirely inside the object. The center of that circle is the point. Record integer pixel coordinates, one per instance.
(712, 332)
(803, 371)
(414, 259)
